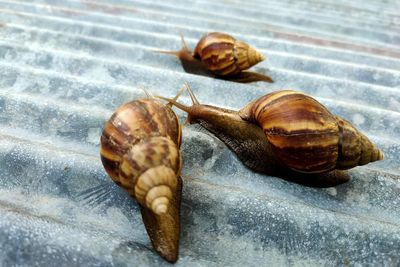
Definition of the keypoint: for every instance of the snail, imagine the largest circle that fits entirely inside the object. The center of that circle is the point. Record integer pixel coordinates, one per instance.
(140, 152)
(222, 55)
(287, 134)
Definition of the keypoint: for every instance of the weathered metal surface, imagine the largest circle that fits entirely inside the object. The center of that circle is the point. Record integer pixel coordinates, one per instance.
(66, 65)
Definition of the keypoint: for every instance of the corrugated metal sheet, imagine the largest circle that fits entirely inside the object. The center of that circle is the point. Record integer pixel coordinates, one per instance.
(66, 65)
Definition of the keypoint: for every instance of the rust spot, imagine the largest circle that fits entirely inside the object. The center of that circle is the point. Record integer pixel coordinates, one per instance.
(300, 38)
(107, 8)
(68, 11)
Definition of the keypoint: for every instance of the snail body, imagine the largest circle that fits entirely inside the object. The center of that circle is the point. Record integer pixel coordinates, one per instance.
(140, 152)
(288, 134)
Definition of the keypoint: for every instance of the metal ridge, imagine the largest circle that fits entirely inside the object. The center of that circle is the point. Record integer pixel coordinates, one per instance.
(66, 65)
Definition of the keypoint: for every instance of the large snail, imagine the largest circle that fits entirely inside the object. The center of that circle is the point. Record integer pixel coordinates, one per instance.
(288, 134)
(140, 151)
(222, 55)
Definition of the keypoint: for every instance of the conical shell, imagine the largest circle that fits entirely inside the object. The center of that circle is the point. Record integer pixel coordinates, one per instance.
(140, 151)
(306, 137)
(155, 188)
(132, 123)
(164, 229)
(224, 55)
(246, 56)
(355, 148)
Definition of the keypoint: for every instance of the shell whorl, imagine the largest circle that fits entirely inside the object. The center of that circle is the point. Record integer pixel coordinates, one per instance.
(306, 137)
(149, 171)
(142, 135)
(140, 151)
(155, 187)
(355, 148)
(224, 55)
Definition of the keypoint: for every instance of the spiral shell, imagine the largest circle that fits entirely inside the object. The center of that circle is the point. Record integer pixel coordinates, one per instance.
(224, 55)
(306, 137)
(287, 134)
(140, 151)
(355, 149)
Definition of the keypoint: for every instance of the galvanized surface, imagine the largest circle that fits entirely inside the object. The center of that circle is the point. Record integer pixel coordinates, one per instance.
(66, 65)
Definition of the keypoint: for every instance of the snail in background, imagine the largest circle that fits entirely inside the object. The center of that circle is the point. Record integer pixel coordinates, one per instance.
(140, 152)
(222, 55)
(287, 134)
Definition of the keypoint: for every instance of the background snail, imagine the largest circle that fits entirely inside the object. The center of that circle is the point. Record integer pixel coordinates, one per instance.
(222, 55)
(288, 134)
(140, 151)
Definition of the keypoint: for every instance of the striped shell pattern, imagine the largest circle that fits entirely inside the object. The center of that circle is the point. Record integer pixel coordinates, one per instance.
(140, 152)
(141, 136)
(224, 55)
(306, 137)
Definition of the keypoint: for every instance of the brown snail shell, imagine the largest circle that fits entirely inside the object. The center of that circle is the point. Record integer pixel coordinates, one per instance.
(140, 151)
(288, 134)
(224, 55)
(306, 136)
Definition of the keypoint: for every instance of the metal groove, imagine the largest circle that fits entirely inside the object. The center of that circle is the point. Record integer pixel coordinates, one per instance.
(65, 66)
(276, 34)
(50, 22)
(236, 25)
(82, 63)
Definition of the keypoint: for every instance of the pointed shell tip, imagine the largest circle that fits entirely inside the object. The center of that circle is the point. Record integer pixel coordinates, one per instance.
(262, 57)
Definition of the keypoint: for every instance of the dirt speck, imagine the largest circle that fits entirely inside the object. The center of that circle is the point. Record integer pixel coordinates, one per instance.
(107, 8)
